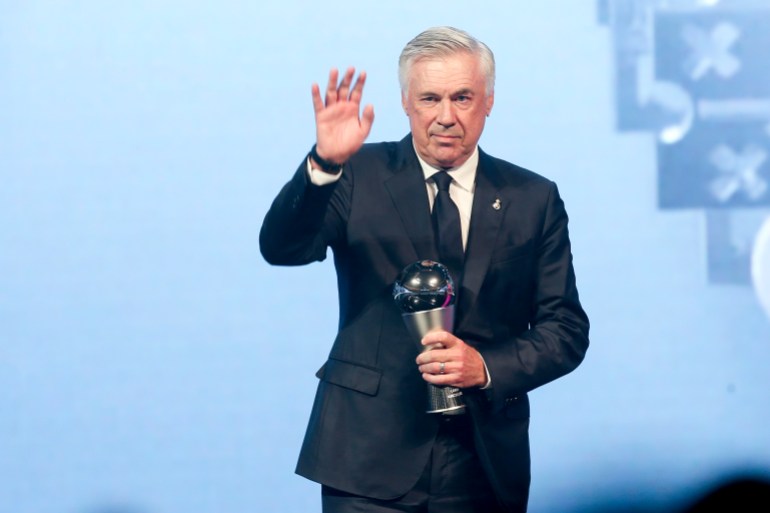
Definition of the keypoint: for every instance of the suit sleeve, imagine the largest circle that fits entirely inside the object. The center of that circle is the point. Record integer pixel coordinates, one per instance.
(304, 220)
(556, 340)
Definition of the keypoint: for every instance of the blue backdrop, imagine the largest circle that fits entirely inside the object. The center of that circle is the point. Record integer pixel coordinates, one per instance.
(151, 361)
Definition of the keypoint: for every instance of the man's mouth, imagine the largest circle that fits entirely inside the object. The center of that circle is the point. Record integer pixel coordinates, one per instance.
(445, 137)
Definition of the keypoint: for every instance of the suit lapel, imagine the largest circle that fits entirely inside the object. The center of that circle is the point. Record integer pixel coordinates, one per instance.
(410, 199)
(486, 219)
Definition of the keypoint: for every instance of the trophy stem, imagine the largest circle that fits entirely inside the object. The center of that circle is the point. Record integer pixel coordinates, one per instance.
(420, 323)
(441, 399)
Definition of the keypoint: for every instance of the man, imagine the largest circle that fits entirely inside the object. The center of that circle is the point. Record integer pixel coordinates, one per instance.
(519, 323)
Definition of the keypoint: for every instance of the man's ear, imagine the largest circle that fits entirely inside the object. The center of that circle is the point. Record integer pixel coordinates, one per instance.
(490, 103)
(403, 103)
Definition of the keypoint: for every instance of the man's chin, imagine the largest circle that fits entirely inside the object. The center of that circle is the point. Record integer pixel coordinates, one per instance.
(447, 160)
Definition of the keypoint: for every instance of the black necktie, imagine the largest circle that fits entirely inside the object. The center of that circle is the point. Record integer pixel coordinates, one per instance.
(446, 220)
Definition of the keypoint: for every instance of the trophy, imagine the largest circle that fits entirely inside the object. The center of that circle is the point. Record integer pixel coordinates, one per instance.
(425, 293)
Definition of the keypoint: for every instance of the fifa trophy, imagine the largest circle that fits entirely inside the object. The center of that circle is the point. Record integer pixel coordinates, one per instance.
(425, 293)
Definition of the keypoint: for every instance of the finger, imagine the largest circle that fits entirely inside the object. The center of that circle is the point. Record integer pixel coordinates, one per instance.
(427, 348)
(347, 79)
(358, 88)
(331, 87)
(438, 336)
(431, 354)
(435, 362)
(439, 379)
(435, 368)
(318, 104)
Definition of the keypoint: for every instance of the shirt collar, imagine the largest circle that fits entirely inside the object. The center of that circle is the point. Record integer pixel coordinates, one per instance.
(464, 174)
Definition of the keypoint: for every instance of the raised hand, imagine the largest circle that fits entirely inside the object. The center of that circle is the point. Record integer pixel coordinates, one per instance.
(340, 130)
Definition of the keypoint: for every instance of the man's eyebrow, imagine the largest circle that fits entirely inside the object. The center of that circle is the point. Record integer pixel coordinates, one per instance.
(464, 90)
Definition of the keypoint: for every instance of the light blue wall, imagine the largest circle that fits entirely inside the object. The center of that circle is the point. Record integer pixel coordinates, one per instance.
(150, 358)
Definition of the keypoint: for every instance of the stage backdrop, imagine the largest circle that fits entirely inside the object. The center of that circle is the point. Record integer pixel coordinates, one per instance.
(152, 362)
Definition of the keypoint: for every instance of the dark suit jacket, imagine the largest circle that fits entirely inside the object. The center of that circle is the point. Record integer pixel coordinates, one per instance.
(368, 432)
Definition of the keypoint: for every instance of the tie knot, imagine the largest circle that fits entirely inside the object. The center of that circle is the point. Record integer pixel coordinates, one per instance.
(442, 180)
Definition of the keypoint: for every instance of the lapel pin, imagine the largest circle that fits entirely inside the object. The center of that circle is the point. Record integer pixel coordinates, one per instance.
(497, 205)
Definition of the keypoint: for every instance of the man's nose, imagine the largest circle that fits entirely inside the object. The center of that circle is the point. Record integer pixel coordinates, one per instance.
(446, 113)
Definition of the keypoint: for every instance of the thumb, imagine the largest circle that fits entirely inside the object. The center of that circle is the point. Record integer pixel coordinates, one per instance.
(367, 118)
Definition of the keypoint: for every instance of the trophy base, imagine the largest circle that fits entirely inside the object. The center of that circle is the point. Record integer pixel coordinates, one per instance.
(454, 410)
(445, 400)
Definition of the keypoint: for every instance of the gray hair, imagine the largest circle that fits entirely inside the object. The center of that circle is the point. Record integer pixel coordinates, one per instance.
(442, 42)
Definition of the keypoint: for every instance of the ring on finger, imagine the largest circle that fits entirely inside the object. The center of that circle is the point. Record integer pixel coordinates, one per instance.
(441, 367)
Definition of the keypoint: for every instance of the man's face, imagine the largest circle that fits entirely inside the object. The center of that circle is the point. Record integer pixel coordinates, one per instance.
(447, 105)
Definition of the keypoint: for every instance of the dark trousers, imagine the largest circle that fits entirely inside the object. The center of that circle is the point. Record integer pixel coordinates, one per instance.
(453, 481)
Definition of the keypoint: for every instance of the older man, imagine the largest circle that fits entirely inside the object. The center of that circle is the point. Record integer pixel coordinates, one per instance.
(518, 324)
